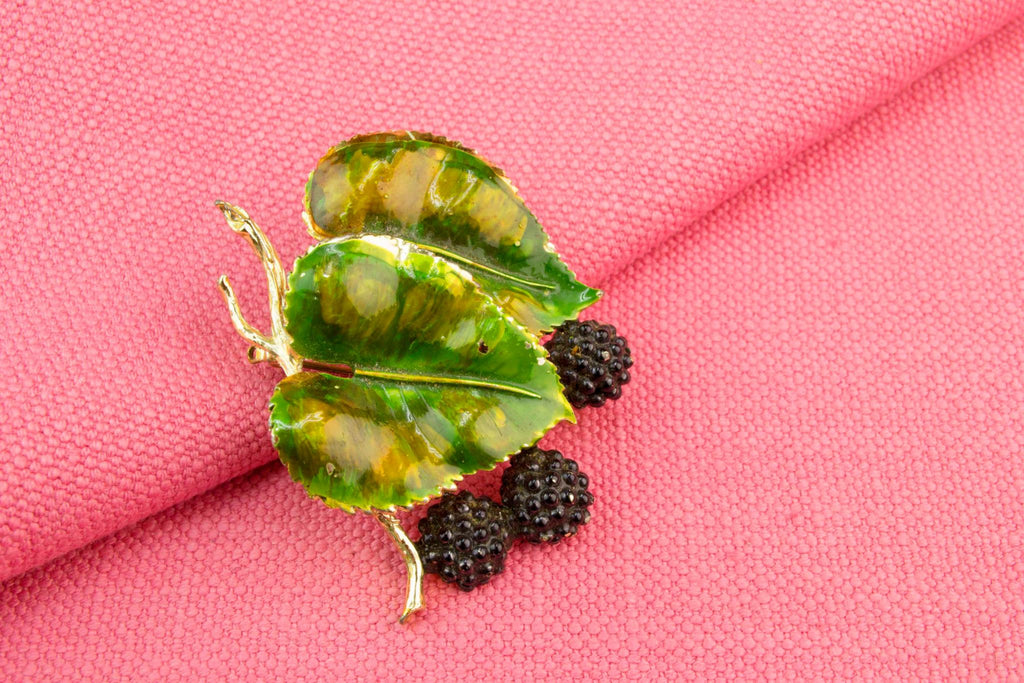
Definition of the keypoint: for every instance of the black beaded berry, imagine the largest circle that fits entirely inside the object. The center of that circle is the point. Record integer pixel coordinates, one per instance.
(464, 539)
(593, 361)
(547, 495)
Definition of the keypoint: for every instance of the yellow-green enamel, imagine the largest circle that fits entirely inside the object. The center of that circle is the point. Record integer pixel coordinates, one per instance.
(450, 202)
(367, 443)
(445, 384)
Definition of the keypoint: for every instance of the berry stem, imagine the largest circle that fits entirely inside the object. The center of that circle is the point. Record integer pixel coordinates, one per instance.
(413, 565)
(277, 344)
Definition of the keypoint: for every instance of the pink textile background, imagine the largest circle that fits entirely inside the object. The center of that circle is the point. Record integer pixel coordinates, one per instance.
(817, 471)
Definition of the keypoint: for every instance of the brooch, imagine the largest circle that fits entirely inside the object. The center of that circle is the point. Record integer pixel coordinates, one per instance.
(414, 339)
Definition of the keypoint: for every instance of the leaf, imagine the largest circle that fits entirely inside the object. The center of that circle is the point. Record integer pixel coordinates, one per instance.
(366, 443)
(450, 202)
(444, 383)
(381, 305)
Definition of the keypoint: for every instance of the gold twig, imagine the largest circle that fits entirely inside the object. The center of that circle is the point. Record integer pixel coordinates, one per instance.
(258, 354)
(247, 331)
(276, 349)
(278, 343)
(413, 565)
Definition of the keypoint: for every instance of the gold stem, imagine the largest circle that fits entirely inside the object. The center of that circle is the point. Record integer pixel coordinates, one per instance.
(435, 379)
(278, 344)
(413, 565)
(248, 332)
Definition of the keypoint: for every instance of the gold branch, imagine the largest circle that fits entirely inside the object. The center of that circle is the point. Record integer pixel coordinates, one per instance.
(413, 565)
(247, 331)
(278, 343)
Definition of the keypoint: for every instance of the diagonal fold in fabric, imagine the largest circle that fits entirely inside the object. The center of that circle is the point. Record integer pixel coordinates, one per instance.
(619, 129)
(817, 473)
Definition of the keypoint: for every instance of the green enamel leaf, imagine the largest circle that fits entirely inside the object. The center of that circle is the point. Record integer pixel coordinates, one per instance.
(366, 443)
(380, 305)
(450, 202)
(445, 384)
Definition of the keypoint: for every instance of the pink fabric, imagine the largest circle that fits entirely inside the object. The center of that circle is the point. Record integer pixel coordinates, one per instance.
(121, 127)
(817, 471)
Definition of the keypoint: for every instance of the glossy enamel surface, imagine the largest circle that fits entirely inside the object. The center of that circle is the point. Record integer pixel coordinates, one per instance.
(364, 443)
(378, 304)
(445, 384)
(451, 202)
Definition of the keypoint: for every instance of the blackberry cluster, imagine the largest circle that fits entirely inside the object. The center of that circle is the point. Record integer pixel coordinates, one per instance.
(547, 495)
(593, 361)
(465, 539)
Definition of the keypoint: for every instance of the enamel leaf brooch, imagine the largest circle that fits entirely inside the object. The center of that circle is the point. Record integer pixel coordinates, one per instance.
(411, 337)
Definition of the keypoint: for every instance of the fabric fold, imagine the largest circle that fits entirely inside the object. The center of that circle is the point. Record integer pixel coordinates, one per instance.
(620, 130)
(814, 474)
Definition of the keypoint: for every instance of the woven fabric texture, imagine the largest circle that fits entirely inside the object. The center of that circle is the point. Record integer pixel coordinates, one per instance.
(816, 472)
(621, 125)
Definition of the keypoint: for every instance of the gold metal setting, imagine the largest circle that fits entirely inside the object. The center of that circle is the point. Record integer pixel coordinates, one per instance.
(277, 344)
(413, 565)
(276, 349)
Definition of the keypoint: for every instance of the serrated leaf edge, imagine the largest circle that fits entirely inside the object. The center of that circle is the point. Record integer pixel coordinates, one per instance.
(539, 351)
(317, 233)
